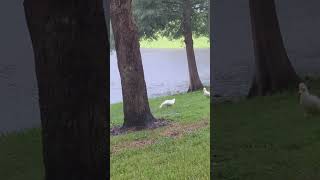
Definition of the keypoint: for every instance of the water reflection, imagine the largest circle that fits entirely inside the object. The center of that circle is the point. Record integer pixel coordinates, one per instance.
(166, 71)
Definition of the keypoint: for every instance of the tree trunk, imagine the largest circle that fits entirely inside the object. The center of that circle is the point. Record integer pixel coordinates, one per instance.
(273, 70)
(195, 83)
(209, 19)
(135, 100)
(70, 46)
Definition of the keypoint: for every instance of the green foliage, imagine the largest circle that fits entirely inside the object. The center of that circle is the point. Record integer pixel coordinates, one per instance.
(164, 18)
(157, 19)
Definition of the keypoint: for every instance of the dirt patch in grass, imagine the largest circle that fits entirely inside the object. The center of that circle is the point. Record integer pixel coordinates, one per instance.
(118, 130)
(177, 130)
(132, 144)
(173, 130)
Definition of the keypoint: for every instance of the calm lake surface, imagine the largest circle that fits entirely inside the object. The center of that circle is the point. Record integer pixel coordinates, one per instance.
(165, 71)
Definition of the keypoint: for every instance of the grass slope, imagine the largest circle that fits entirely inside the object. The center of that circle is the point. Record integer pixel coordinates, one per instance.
(266, 138)
(179, 151)
(163, 42)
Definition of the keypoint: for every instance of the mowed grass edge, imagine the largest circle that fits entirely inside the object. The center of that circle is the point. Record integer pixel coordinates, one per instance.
(163, 42)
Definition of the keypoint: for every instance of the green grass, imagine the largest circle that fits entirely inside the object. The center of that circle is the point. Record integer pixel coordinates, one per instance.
(163, 42)
(266, 138)
(183, 157)
(262, 138)
(21, 156)
(161, 156)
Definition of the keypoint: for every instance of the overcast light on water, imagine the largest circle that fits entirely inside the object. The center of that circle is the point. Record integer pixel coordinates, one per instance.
(165, 70)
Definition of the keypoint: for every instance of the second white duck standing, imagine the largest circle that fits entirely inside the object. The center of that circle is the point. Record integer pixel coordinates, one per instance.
(206, 93)
(168, 102)
(310, 103)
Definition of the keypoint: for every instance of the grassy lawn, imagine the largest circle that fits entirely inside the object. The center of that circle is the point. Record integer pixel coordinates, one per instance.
(262, 138)
(178, 151)
(21, 156)
(266, 138)
(163, 42)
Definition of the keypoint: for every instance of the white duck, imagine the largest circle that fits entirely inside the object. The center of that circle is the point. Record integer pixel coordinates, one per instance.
(205, 92)
(310, 103)
(168, 102)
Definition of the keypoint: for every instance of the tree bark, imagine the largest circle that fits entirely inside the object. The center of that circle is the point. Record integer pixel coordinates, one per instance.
(195, 83)
(135, 100)
(273, 70)
(70, 46)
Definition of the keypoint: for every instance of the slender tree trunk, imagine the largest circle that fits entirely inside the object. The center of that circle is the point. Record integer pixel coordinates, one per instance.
(209, 19)
(70, 46)
(195, 83)
(273, 70)
(135, 100)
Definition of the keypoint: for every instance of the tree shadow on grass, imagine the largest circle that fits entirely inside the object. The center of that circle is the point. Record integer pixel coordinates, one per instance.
(172, 130)
(119, 130)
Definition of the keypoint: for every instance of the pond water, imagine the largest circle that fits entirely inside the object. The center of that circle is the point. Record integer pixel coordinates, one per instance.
(165, 71)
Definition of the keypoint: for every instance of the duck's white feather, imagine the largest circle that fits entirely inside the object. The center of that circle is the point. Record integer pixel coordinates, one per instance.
(310, 103)
(168, 102)
(206, 93)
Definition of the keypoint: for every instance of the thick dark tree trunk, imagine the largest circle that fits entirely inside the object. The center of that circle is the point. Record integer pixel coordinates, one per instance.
(273, 70)
(69, 41)
(135, 100)
(195, 83)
